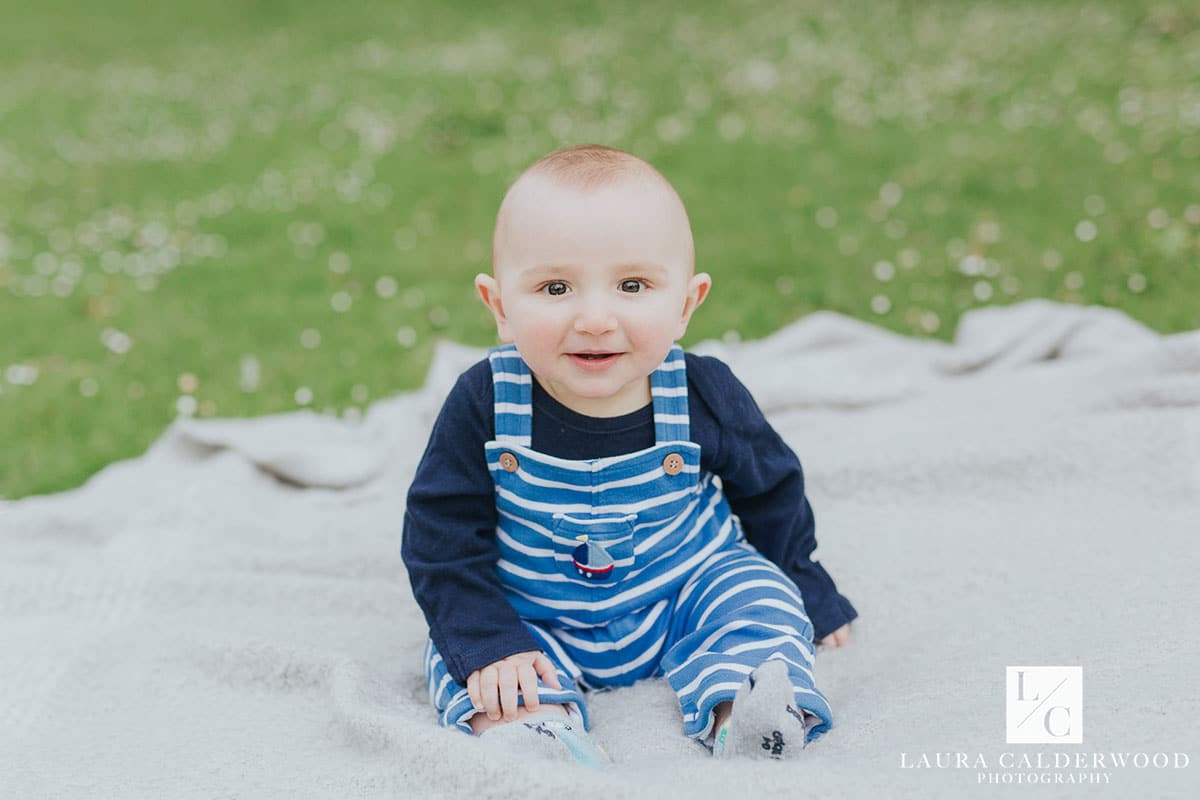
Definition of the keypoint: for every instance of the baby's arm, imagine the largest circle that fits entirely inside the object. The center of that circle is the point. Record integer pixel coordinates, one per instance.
(764, 482)
(493, 689)
(449, 542)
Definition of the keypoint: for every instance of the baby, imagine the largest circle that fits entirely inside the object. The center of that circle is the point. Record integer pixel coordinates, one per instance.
(566, 530)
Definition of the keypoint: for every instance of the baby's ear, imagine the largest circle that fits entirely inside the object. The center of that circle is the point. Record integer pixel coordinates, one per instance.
(698, 288)
(489, 293)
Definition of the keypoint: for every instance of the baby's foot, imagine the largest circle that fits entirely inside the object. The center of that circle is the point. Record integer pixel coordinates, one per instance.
(549, 735)
(765, 722)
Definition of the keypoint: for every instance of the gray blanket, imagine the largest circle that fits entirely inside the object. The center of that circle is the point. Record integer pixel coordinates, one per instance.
(228, 615)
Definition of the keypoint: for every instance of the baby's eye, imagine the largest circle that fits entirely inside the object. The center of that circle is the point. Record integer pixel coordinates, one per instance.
(632, 285)
(555, 288)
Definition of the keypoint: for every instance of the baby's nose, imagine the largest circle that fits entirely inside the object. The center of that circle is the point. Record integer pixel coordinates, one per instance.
(595, 318)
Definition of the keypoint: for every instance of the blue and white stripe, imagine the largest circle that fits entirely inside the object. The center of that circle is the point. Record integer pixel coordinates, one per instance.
(681, 519)
(686, 597)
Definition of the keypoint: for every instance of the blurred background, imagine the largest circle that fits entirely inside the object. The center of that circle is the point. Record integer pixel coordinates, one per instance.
(218, 208)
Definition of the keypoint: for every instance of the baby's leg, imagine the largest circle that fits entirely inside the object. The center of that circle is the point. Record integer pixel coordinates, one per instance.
(721, 712)
(740, 612)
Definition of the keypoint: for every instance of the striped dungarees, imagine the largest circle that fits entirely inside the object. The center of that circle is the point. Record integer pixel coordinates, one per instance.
(632, 566)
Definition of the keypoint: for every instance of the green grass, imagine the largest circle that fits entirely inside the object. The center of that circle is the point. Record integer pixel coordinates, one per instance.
(185, 186)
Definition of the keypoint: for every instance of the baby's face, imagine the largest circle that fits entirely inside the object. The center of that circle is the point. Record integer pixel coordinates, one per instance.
(593, 286)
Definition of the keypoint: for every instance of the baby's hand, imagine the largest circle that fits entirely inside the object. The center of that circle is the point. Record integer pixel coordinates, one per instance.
(838, 637)
(494, 688)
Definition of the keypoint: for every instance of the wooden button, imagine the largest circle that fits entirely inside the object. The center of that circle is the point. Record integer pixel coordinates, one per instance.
(508, 462)
(673, 464)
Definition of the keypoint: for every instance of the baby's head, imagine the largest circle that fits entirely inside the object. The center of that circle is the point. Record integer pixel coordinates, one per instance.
(593, 275)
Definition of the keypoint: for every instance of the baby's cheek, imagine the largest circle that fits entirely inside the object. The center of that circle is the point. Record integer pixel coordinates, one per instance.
(539, 339)
(542, 330)
(654, 328)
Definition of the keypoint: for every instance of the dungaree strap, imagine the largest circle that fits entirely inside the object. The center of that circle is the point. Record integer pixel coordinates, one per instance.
(668, 387)
(513, 391)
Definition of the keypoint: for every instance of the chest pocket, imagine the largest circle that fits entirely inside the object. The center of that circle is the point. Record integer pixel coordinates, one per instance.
(594, 550)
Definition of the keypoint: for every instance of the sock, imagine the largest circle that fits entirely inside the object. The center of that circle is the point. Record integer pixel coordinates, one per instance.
(549, 735)
(765, 722)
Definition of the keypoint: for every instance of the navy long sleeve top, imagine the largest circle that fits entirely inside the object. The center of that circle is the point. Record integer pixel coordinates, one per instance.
(449, 541)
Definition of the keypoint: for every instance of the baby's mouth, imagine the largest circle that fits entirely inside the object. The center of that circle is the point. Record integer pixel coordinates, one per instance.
(594, 361)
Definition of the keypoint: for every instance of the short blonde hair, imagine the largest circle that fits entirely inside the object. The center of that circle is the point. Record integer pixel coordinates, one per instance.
(584, 167)
(589, 166)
